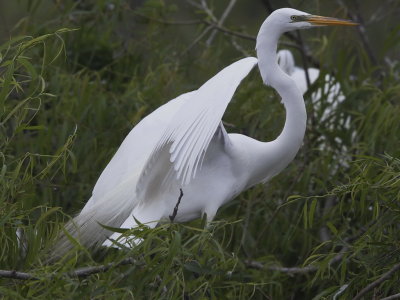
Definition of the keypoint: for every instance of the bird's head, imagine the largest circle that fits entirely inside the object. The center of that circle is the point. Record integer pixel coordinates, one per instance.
(288, 19)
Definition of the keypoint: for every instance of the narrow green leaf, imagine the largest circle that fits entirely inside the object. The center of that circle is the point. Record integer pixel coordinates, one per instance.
(312, 211)
(305, 214)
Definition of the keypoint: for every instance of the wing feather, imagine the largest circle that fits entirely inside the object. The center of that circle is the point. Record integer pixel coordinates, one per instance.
(193, 126)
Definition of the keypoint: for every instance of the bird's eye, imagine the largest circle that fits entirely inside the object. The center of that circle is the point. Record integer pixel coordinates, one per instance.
(293, 18)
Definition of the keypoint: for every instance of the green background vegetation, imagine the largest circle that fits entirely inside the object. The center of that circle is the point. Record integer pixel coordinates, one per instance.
(76, 76)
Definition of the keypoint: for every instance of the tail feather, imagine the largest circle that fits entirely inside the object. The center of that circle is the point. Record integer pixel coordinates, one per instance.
(110, 210)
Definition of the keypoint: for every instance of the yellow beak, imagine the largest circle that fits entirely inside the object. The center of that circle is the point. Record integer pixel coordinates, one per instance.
(327, 21)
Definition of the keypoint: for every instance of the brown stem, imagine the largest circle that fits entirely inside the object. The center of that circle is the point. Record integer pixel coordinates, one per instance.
(395, 296)
(310, 268)
(81, 272)
(361, 31)
(295, 270)
(377, 282)
(17, 275)
(221, 21)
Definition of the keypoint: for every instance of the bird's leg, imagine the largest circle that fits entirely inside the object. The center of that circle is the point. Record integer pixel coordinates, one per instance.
(174, 213)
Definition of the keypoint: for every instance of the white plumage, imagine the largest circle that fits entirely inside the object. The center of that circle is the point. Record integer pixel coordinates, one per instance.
(183, 145)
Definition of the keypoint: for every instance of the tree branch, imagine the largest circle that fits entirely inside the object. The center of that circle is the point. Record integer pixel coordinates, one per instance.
(304, 60)
(295, 270)
(228, 31)
(310, 268)
(361, 31)
(221, 21)
(81, 272)
(17, 275)
(214, 25)
(169, 22)
(197, 39)
(324, 232)
(87, 271)
(395, 296)
(377, 282)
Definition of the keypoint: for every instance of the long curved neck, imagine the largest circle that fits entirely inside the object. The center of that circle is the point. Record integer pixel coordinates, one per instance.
(273, 157)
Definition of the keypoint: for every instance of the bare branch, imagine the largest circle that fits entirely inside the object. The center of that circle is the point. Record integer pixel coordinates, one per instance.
(377, 282)
(81, 272)
(361, 31)
(324, 232)
(221, 21)
(172, 217)
(208, 11)
(226, 124)
(234, 33)
(198, 39)
(194, 4)
(295, 270)
(213, 25)
(204, 7)
(311, 268)
(169, 22)
(238, 47)
(17, 275)
(395, 296)
(87, 271)
(304, 59)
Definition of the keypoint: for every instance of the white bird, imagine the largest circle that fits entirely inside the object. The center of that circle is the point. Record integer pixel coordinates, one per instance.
(331, 93)
(184, 145)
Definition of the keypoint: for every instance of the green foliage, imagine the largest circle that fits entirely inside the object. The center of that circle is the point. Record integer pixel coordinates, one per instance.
(69, 96)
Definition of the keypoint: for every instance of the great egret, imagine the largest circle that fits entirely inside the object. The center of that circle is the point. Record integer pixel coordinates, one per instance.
(184, 145)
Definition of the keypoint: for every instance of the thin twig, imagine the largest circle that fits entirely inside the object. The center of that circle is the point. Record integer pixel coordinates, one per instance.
(231, 32)
(221, 21)
(230, 125)
(194, 4)
(361, 31)
(198, 39)
(208, 11)
(395, 296)
(310, 268)
(239, 48)
(168, 22)
(172, 217)
(87, 271)
(204, 7)
(213, 25)
(81, 272)
(17, 275)
(324, 232)
(304, 59)
(295, 270)
(377, 282)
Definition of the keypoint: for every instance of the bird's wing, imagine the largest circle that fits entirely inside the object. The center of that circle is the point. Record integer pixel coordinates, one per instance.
(186, 138)
(134, 151)
(114, 195)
